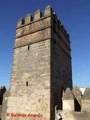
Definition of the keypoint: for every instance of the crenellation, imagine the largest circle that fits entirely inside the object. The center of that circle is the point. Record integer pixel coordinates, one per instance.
(33, 29)
(58, 26)
(36, 23)
(28, 19)
(37, 14)
(19, 23)
(48, 11)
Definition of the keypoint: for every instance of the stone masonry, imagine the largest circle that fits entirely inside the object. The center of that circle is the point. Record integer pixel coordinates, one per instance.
(41, 67)
(76, 106)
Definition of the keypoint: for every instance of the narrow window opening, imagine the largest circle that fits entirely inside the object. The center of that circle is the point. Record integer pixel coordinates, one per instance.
(28, 47)
(26, 83)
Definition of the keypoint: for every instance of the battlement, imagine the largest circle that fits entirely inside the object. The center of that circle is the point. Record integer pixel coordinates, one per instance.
(41, 21)
(37, 16)
(74, 100)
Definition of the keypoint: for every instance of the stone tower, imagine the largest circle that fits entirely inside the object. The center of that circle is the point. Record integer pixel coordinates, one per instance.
(41, 67)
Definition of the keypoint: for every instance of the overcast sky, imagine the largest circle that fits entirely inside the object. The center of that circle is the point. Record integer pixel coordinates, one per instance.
(74, 14)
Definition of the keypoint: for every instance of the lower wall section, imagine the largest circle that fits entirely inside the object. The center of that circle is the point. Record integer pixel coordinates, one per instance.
(28, 108)
(66, 115)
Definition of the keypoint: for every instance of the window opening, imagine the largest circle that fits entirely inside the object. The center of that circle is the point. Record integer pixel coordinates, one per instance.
(26, 83)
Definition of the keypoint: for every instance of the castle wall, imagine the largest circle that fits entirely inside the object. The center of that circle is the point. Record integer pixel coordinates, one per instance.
(75, 115)
(85, 105)
(68, 105)
(86, 100)
(76, 106)
(31, 67)
(30, 84)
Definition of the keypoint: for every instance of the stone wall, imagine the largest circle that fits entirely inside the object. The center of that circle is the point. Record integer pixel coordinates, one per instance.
(86, 100)
(75, 115)
(30, 86)
(72, 100)
(61, 69)
(76, 111)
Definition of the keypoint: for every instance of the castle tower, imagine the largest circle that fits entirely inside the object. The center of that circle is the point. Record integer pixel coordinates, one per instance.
(41, 67)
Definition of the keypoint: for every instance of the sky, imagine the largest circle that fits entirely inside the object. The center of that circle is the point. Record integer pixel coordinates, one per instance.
(74, 15)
